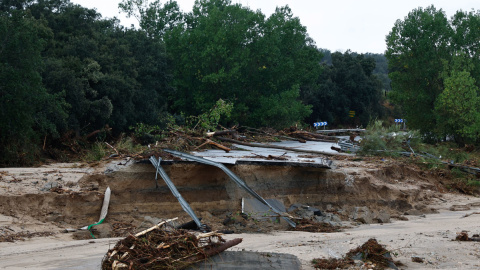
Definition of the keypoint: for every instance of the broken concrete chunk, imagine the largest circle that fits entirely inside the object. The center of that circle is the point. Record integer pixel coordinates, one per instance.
(329, 218)
(383, 217)
(302, 213)
(48, 186)
(257, 210)
(363, 215)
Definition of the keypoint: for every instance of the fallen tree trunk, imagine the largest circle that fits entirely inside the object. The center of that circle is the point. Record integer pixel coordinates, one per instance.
(307, 138)
(276, 147)
(208, 141)
(306, 135)
(234, 133)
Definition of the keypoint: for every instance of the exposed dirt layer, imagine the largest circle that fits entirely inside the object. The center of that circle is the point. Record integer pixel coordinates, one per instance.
(71, 196)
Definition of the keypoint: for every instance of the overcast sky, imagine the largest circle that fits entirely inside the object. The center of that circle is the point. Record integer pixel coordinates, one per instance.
(339, 25)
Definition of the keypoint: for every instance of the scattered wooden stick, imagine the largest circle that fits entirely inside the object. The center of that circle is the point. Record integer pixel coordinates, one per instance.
(156, 227)
(208, 141)
(205, 235)
(234, 133)
(467, 215)
(312, 136)
(112, 148)
(278, 136)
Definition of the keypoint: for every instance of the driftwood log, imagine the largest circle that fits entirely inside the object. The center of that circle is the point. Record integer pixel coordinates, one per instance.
(210, 142)
(234, 133)
(312, 136)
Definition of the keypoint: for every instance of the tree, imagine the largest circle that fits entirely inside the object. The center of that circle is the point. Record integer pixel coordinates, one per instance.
(226, 51)
(108, 74)
(26, 108)
(154, 18)
(416, 48)
(435, 71)
(348, 84)
(466, 39)
(457, 106)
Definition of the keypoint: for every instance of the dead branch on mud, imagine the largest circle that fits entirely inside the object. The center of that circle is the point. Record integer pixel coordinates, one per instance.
(463, 236)
(467, 215)
(9, 235)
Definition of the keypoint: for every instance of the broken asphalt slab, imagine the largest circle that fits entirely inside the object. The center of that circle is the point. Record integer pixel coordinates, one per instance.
(263, 156)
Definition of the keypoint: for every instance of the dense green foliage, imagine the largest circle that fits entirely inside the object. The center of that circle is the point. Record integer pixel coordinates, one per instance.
(66, 72)
(268, 67)
(27, 109)
(435, 72)
(348, 84)
(381, 70)
(230, 52)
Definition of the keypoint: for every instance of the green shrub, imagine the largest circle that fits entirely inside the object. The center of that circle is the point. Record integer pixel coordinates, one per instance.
(381, 140)
(96, 152)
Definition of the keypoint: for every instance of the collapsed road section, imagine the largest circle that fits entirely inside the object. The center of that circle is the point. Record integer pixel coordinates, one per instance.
(236, 179)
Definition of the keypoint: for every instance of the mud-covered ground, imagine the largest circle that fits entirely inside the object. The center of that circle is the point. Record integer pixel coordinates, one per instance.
(414, 212)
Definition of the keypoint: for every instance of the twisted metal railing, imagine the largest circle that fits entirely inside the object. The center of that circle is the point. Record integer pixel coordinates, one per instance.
(235, 178)
(186, 207)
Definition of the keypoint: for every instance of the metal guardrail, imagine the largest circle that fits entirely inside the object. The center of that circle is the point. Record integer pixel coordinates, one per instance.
(186, 207)
(235, 178)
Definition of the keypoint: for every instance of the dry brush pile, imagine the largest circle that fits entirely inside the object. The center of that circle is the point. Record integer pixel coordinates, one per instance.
(164, 247)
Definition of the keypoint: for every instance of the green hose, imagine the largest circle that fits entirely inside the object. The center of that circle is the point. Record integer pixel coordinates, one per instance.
(95, 224)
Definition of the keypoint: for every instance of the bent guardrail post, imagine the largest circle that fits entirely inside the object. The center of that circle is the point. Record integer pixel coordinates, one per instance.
(235, 178)
(186, 207)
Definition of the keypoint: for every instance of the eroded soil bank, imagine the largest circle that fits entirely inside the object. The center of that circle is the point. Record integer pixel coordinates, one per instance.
(355, 191)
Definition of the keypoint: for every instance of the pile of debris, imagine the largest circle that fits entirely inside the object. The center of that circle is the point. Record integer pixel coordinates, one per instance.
(164, 247)
(7, 234)
(370, 254)
(308, 225)
(463, 236)
(314, 220)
